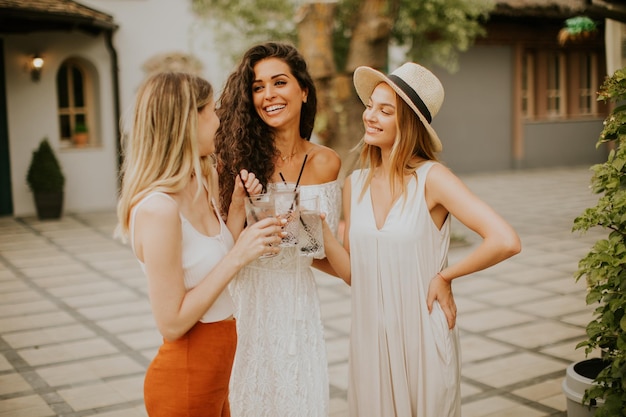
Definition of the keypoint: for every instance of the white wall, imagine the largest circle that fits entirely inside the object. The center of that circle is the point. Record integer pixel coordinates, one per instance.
(31, 106)
(151, 27)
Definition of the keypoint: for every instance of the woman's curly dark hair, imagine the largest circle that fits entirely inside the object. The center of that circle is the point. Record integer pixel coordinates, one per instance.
(243, 140)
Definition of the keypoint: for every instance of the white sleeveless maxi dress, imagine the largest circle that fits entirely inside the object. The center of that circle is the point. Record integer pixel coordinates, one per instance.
(403, 361)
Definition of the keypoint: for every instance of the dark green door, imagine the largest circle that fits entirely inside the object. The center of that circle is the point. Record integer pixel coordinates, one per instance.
(6, 200)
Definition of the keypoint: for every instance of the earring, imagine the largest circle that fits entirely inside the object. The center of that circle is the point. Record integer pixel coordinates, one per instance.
(304, 99)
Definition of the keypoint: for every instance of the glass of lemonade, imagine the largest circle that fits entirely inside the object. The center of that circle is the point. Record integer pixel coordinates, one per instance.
(286, 203)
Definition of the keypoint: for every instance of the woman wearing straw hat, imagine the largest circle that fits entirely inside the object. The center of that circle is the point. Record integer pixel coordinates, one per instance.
(267, 110)
(168, 208)
(404, 347)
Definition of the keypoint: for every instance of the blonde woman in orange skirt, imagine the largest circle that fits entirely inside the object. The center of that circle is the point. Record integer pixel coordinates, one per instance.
(168, 208)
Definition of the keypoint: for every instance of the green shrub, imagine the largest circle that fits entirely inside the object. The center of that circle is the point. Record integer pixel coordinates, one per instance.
(604, 267)
(44, 172)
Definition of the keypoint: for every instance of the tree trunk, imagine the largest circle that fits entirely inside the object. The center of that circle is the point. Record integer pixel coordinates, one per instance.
(315, 23)
(370, 36)
(315, 32)
(338, 124)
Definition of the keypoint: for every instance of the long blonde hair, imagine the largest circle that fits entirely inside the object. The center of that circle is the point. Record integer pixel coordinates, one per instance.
(161, 150)
(412, 141)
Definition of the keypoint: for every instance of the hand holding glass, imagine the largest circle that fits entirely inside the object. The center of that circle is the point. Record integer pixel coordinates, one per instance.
(259, 207)
(286, 202)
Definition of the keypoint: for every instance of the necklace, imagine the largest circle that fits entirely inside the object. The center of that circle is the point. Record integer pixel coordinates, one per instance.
(284, 158)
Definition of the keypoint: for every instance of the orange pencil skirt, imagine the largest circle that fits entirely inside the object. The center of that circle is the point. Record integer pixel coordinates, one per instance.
(189, 377)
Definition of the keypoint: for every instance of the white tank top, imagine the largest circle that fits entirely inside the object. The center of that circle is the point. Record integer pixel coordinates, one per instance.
(200, 254)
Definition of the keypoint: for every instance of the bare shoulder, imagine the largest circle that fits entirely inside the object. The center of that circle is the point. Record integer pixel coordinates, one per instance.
(441, 181)
(440, 173)
(158, 209)
(325, 161)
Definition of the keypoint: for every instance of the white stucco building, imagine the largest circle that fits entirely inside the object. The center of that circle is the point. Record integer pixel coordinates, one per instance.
(95, 53)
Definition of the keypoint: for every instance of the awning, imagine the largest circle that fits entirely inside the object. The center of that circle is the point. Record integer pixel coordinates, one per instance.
(25, 16)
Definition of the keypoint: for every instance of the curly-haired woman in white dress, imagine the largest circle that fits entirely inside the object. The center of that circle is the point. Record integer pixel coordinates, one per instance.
(267, 111)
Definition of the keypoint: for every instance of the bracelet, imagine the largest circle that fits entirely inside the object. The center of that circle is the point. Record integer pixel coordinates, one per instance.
(444, 278)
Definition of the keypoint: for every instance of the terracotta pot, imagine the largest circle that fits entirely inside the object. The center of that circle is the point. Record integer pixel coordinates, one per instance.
(80, 139)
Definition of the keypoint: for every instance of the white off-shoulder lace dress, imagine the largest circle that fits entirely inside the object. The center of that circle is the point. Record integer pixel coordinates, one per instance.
(280, 365)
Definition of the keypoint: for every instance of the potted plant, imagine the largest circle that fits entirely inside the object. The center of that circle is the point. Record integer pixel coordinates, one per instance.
(604, 267)
(46, 180)
(81, 134)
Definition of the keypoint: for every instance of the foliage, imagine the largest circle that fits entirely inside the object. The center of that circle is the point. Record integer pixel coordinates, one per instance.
(44, 173)
(80, 128)
(580, 24)
(251, 20)
(604, 267)
(435, 31)
(432, 31)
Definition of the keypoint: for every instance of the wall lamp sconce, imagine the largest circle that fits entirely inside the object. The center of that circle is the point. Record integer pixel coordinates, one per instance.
(35, 68)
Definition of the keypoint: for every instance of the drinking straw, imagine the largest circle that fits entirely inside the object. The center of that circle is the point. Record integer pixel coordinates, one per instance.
(243, 184)
(307, 229)
(294, 198)
(301, 169)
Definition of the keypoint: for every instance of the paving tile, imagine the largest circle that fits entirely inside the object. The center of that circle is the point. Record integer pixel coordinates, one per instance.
(513, 296)
(465, 305)
(531, 276)
(493, 318)
(508, 370)
(338, 375)
(92, 396)
(12, 383)
(5, 274)
(115, 309)
(338, 308)
(338, 407)
(498, 407)
(337, 350)
(69, 351)
(91, 287)
(53, 270)
(126, 412)
(473, 284)
(468, 389)
(48, 283)
(89, 370)
(140, 340)
(100, 298)
(43, 259)
(128, 323)
(341, 325)
(567, 350)
(19, 309)
(478, 348)
(26, 406)
(555, 306)
(48, 335)
(19, 296)
(4, 364)
(34, 321)
(536, 334)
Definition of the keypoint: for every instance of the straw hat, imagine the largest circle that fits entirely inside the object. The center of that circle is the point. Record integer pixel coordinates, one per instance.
(417, 86)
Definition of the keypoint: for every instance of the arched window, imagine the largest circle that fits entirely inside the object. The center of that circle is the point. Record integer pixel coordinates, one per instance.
(74, 103)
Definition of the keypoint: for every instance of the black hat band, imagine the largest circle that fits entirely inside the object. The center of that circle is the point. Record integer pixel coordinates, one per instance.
(413, 96)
